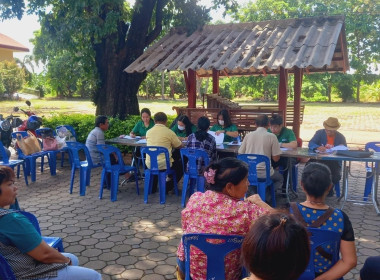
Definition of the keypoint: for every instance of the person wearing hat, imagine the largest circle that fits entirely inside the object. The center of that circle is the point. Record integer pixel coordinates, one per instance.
(325, 139)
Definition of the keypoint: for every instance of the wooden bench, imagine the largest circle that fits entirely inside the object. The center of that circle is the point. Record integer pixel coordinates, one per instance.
(289, 111)
(243, 118)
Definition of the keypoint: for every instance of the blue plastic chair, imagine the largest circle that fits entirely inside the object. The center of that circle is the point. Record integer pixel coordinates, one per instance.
(374, 146)
(320, 237)
(215, 252)
(84, 166)
(6, 272)
(54, 242)
(30, 160)
(192, 174)
(13, 163)
(153, 152)
(114, 169)
(262, 183)
(66, 149)
(51, 154)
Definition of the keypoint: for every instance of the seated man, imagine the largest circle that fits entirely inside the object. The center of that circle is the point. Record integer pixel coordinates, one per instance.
(286, 139)
(96, 136)
(262, 142)
(161, 135)
(325, 139)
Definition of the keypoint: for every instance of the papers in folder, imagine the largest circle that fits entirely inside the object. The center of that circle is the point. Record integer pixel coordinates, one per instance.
(129, 137)
(218, 138)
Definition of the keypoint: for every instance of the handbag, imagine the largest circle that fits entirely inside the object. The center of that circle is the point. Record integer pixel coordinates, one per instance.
(49, 144)
(28, 145)
(354, 154)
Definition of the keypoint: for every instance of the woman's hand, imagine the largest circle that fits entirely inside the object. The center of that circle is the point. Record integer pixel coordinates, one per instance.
(132, 135)
(256, 199)
(219, 132)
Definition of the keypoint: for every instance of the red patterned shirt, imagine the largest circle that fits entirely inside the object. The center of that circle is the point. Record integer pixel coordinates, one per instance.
(217, 213)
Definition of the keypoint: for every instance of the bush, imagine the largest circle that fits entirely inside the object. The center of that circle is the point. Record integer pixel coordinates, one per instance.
(83, 124)
(12, 76)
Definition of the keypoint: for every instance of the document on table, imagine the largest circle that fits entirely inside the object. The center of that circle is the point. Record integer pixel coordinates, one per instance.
(141, 141)
(131, 138)
(333, 149)
(218, 138)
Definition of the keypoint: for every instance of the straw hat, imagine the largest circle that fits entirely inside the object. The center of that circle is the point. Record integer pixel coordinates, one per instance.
(331, 123)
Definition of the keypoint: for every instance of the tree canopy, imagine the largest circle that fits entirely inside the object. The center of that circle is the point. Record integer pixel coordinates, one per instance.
(107, 35)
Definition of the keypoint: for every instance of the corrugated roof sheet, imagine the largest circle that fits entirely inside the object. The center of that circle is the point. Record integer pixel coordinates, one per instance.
(8, 43)
(317, 44)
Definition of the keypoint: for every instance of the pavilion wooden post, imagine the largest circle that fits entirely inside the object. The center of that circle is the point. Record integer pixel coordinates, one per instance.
(215, 81)
(191, 87)
(283, 92)
(298, 75)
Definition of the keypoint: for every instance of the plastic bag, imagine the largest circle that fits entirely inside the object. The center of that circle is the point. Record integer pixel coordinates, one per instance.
(49, 144)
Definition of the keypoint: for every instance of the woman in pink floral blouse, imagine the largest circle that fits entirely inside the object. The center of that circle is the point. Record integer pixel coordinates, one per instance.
(220, 210)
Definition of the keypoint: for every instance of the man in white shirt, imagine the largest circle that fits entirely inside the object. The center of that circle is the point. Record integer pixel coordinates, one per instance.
(265, 143)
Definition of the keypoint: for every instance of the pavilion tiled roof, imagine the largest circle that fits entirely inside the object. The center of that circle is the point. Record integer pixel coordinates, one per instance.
(11, 44)
(317, 44)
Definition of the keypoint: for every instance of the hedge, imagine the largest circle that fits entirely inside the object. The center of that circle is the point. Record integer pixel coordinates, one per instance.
(83, 124)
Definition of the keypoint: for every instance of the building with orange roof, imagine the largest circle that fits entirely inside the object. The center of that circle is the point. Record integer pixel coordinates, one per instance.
(8, 46)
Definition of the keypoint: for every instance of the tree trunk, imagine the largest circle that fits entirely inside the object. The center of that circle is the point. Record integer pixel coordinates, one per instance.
(163, 85)
(358, 91)
(171, 83)
(117, 94)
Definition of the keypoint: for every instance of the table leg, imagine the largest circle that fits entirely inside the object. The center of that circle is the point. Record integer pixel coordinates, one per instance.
(344, 185)
(375, 185)
(133, 163)
(289, 181)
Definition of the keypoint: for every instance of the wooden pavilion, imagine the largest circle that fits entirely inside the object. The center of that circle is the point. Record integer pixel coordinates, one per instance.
(291, 46)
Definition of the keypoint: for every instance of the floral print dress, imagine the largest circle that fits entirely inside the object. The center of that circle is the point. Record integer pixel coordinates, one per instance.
(217, 213)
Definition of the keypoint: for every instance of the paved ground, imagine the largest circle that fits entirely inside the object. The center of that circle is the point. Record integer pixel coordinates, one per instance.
(128, 239)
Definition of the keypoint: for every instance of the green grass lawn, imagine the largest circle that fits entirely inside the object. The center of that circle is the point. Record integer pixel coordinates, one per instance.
(360, 123)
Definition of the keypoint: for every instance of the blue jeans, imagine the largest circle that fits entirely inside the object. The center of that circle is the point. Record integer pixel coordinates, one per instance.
(75, 272)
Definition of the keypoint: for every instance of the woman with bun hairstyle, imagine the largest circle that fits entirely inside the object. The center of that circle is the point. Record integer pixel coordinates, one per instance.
(276, 248)
(220, 210)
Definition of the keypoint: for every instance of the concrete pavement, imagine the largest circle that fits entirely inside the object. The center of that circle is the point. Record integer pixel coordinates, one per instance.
(128, 239)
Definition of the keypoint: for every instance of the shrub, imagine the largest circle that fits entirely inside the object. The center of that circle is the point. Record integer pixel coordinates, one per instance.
(83, 124)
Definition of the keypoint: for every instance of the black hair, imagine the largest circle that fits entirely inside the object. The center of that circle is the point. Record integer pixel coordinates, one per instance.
(188, 124)
(316, 179)
(6, 174)
(227, 170)
(262, 121)
(276, 120)
(203, 126)
(160, 117)
(277, 241)
(100, 120)
(226, 118)
(145, 110)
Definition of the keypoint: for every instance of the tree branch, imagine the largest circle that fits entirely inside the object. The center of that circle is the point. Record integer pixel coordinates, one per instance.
(158, 25)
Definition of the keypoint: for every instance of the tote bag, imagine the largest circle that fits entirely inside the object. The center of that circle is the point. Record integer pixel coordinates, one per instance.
(28, 145)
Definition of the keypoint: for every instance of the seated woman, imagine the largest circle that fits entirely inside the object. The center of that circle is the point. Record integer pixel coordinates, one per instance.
(143, 125)
(23, 248)
(220, 210)
(183, 128)
(276, 247)
(316, 183)
(203, 140)
(225, 126)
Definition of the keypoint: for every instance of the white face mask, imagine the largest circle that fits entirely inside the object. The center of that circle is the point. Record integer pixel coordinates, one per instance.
(180, 127)
(221, 122)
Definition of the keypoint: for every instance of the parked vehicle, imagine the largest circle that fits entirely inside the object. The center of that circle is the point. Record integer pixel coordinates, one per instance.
(7, 125)
(32, 123)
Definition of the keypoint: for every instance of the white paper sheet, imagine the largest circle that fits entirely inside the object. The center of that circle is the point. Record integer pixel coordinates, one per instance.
(141, 141)
(218, 138)
(129, 137)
